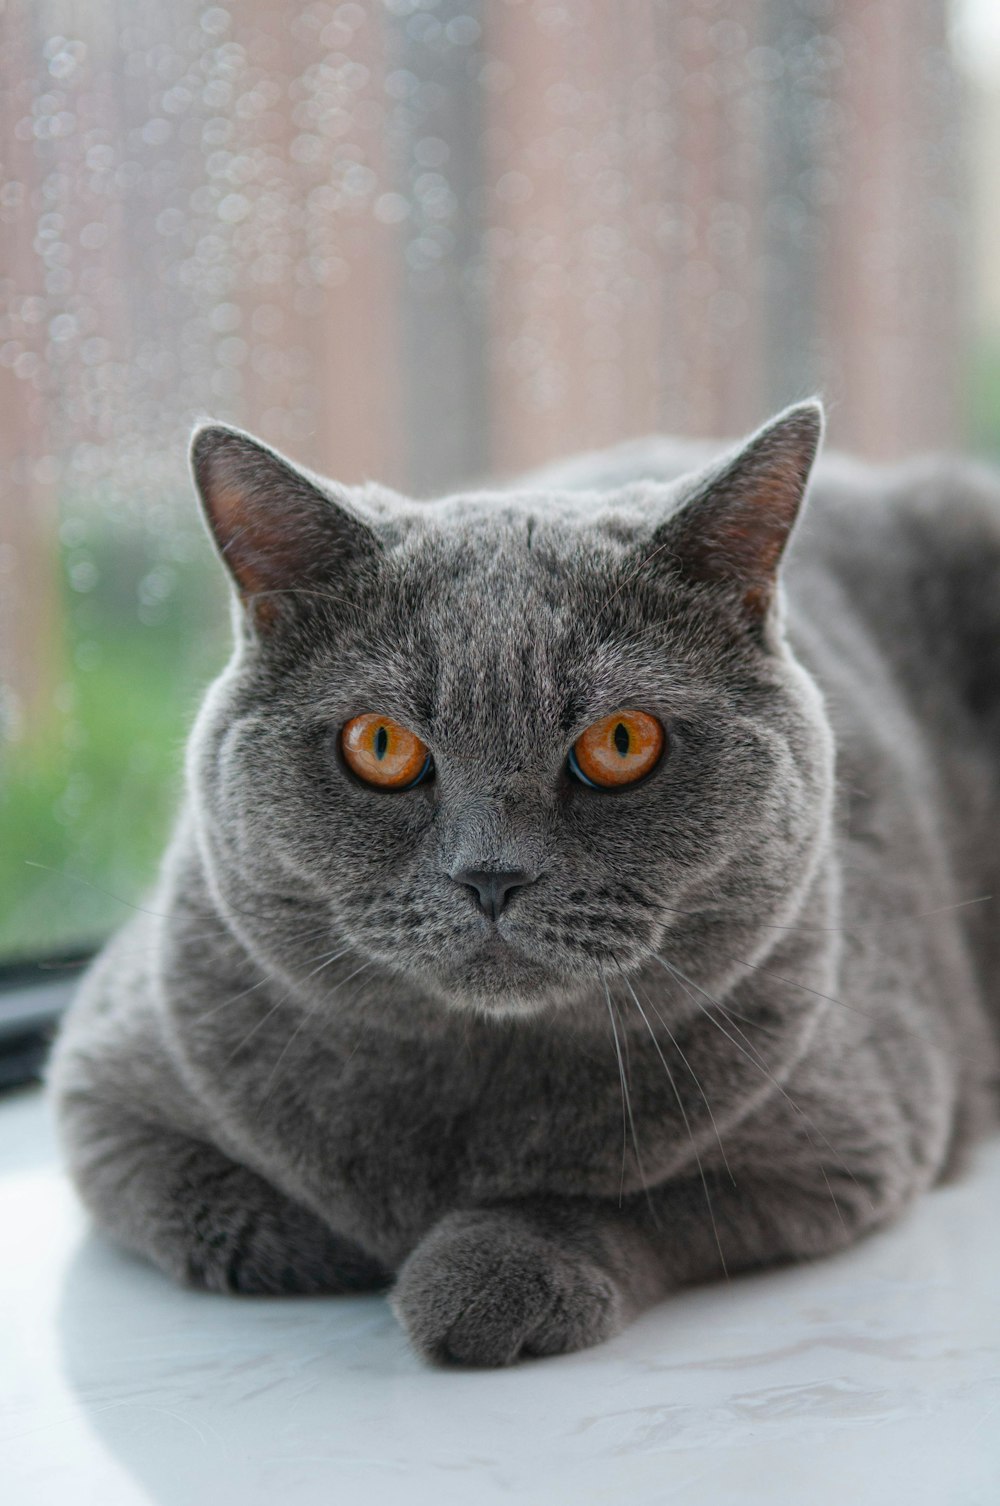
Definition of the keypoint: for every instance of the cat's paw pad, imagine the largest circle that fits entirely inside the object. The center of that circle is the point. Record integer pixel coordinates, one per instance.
(483, 1289)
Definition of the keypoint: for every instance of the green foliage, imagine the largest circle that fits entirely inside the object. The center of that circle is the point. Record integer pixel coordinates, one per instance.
(86, 802)
(982, 398)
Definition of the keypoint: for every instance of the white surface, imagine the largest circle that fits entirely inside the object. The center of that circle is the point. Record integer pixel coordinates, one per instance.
(870, 1378)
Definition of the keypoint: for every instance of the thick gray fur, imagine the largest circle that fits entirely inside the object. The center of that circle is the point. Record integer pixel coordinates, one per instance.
(744, 1014)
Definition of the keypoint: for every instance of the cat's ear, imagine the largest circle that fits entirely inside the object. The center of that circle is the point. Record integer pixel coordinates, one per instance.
(280, 534)
(733, 526)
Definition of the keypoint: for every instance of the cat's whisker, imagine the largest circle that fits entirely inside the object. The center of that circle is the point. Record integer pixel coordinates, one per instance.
(307, 1019)
(794, 982)
(259, 1024)
(856, 935)
(754, 1057)
(961, 904)
(808, 1124)
(621, 1073)
(327, 961)
(624, 1038)
(685, 1118)
(697, 1081)
(268, 978)
(627, 1109)
(227, 933)
(764, 924)
(765, 1025)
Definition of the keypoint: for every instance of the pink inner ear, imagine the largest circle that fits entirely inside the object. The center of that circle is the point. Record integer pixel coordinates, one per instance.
(253, 544)
(753, 534)
(278, 532)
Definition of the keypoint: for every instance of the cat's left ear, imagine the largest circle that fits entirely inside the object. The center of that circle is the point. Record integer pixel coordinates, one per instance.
(281, 533)
(733, 526)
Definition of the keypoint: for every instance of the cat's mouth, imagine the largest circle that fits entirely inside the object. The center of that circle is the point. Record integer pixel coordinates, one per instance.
(500, 976)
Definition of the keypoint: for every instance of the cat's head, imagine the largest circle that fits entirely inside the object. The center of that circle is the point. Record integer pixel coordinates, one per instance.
(508, 745)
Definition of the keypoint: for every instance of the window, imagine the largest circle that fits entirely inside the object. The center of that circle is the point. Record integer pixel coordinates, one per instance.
(424, 240)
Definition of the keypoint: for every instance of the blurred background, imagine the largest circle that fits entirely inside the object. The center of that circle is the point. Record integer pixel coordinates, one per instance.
(422, 241)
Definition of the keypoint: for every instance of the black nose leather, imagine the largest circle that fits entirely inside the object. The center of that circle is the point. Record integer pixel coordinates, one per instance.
(493, 888)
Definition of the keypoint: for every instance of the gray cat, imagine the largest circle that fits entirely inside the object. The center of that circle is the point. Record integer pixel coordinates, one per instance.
(560, 911)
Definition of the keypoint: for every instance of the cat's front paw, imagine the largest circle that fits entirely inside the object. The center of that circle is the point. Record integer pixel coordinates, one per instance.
(486, 1288)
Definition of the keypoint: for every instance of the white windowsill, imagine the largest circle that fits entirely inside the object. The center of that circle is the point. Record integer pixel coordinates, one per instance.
(870, 1378)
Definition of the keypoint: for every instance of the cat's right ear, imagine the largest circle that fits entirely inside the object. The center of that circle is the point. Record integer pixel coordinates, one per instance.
(281, 535)
(733, 528)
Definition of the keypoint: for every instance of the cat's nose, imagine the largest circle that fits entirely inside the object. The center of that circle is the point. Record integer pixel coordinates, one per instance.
(493, 887)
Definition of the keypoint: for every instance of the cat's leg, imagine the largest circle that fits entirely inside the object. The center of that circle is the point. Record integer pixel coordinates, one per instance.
(202, 1218)
(489, 1286)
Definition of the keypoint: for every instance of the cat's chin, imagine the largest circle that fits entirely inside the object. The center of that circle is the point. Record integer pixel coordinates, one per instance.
(508, 1005)
(505, 983)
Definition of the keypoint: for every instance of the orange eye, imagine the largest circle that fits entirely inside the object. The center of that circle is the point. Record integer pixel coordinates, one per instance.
(383, 753)
(617, 750)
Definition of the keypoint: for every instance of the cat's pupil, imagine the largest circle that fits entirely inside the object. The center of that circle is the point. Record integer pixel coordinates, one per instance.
(621, 738)
(381, 742)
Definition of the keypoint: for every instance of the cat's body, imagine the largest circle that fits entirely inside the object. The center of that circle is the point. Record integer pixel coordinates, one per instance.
(258, 1097)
